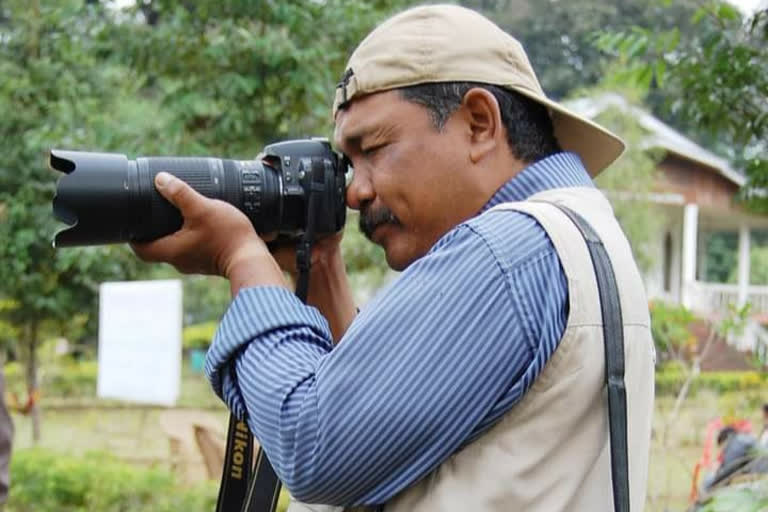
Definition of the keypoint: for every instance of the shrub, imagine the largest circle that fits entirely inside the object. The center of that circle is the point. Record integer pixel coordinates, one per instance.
(747, 497)
(198, 336)
(42, 481)
(670, 328)
(65, 378)
(670, 380)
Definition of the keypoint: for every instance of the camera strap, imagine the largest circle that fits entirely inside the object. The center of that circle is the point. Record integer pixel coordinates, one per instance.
(237, 466)
(259, 493)
(613, 341)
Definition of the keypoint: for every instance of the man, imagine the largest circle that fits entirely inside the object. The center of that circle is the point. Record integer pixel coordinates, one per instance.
(740, 453)
(475, 381)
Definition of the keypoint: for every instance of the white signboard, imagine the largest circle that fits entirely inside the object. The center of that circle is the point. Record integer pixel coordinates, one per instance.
(140, 341)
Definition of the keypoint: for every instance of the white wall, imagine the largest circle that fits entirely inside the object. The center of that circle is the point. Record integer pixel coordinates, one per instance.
(654, 278)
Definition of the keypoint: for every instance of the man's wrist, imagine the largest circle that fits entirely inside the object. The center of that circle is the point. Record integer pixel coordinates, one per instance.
(329, 260)
(253, 266)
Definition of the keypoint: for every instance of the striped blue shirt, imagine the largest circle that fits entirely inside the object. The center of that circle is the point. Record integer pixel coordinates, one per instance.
(430, 363)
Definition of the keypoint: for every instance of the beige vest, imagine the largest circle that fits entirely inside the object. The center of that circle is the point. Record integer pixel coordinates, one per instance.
(550, 452)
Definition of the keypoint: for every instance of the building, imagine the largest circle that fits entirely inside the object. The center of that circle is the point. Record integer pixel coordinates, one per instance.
(696, 192)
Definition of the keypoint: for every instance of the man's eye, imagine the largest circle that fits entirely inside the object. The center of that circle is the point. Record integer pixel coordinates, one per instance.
(371, 149)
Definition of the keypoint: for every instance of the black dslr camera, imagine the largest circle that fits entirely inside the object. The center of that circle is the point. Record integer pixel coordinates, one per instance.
(293, 188)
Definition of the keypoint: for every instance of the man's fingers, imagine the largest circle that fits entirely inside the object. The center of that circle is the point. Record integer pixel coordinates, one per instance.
(178, 193)
(160, 248)
(144, 251)
(151, 252)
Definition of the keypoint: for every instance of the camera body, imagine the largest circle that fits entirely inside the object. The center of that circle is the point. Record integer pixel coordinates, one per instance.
(107, 198)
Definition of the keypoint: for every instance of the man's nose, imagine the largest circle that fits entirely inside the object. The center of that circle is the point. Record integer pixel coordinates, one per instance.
(360, 190)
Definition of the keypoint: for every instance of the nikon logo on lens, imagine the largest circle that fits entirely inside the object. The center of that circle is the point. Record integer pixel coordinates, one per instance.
(106, 198)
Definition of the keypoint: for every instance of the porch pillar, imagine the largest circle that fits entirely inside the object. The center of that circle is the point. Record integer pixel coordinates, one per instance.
(743, 264)
(690, 228)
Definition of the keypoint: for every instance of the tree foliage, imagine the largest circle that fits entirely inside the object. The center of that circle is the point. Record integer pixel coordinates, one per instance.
(54, 90)
(670, 327)
(238, 74)
(51, 95)
(714, 80)
(721, 250)
(558, 34)
(744, 497)
(57, 92)
(758, 267)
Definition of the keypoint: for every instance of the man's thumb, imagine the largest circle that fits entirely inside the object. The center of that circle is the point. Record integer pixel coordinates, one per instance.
(172, 188)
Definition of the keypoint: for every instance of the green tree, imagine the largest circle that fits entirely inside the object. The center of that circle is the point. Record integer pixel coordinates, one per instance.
(238, 74)
(55, 90)
(722, 256)
(746, 497)
(714, 78)
(758, 267)
(558, 34)
(670, 327)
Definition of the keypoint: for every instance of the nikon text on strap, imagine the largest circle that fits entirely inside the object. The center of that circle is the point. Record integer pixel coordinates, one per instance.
(613, 340)
(237, 466)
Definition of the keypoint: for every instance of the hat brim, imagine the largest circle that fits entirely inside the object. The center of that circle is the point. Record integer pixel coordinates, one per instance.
(597, 147)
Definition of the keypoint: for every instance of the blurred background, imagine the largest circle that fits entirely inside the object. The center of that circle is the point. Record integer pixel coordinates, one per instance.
(684, 82)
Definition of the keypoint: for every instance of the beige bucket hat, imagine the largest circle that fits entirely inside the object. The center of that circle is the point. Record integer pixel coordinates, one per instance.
(448, 43)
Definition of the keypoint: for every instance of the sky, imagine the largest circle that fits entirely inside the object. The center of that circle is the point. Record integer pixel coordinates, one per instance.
(748, 5)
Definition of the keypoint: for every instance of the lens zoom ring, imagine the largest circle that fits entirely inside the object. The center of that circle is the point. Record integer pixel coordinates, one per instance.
(194, 171)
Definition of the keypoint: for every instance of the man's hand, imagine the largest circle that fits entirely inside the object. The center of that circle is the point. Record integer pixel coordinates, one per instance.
(216, 238)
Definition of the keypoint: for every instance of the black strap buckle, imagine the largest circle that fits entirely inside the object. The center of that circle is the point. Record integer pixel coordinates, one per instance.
(343, 83)
(303, 255)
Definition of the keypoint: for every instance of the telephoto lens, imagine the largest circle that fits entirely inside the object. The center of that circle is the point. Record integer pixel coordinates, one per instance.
(107, 198)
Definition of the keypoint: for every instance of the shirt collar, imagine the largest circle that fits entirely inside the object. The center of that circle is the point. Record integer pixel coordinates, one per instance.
(559, 170)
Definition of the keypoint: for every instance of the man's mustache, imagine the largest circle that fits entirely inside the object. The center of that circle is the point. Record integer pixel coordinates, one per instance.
(371, 218)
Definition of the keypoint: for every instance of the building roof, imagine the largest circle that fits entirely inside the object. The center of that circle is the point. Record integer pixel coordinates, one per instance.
(660, 134)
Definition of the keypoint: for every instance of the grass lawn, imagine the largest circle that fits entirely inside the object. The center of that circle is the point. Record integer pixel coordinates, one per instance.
(132, 432)
(137, 434)
(672, 462)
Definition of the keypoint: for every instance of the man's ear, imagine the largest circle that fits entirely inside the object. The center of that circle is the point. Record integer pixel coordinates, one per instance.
(483, 115)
